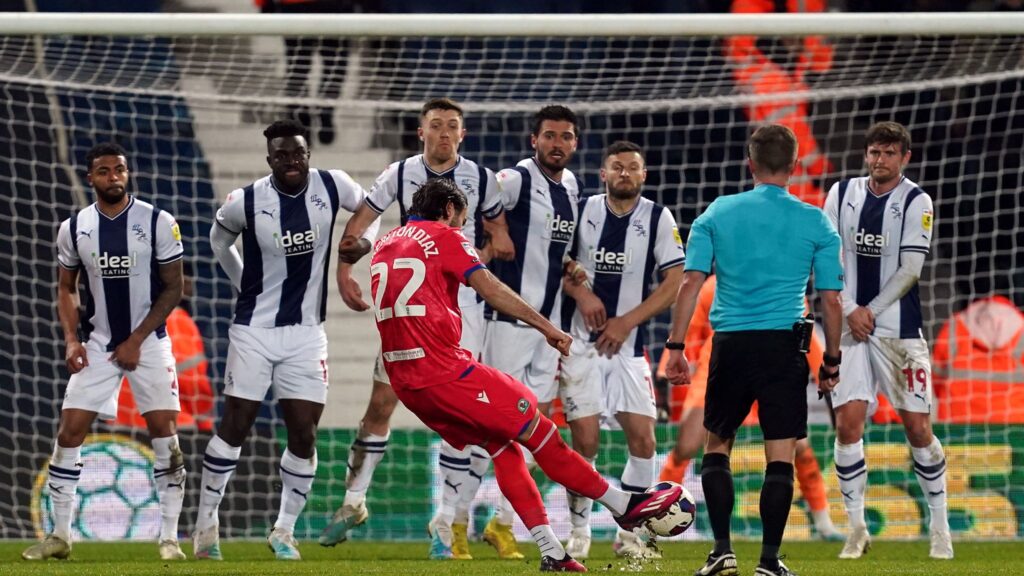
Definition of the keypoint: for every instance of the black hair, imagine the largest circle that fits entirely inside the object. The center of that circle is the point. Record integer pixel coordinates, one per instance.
(103, 149)
(430, 200)
(556, 113)
(286, 129)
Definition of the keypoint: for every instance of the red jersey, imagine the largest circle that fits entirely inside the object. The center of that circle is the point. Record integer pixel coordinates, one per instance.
(415, 275)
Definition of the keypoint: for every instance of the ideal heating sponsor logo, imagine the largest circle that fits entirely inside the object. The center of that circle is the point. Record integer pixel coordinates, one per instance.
(114, 266)
(869, 244)
(299, 242)
(610, 262)
(559, 229)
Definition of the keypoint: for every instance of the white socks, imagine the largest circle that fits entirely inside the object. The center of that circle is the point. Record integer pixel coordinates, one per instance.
(639, 474)
(580, 507)
(479, 462)
(169, 473)
(297, 476)
(219, 463)
(546, 541)
(367, 451)
(930, 467)
(65, 470)
(852, 471)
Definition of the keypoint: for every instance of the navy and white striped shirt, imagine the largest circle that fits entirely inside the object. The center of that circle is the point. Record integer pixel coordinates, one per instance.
(286, 244)
(121, 257)
(620, 255)
(541, 215)
(875, 230)
(401, 180)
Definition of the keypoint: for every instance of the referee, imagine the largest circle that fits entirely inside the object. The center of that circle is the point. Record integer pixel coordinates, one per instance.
(764, 244)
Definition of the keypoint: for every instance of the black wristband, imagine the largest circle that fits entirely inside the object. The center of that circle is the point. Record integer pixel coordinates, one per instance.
(832, 361)
(675, 346)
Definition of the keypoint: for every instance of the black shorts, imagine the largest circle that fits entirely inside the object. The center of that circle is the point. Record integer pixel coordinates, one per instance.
(762, 365)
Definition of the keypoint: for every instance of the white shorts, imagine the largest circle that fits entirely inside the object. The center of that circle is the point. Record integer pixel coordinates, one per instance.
(292, 360)
(472, 338)
(899, 368)
(597, 385)
(154, 382)
(523, 353)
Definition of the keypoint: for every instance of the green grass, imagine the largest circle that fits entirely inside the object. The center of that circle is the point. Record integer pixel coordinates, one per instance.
(361, 558)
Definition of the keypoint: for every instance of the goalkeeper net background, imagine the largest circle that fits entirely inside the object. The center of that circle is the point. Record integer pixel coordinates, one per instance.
(189, 95)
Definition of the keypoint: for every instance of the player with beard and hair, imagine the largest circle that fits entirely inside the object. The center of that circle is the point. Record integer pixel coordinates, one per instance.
(442, 129)
(131, 255)
(540, 196)
(621, 240)
(885, 221)
(277, 338)
(417, 270)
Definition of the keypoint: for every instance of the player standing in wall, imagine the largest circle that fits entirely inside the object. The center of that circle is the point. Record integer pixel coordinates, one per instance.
(277, 339)
(417, 270)
(885, 221)
(442, 128)
(621, 240)
(131, 254)
(540, 196)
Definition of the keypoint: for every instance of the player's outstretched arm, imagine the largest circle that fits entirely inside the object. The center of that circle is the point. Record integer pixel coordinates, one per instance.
(504, 300)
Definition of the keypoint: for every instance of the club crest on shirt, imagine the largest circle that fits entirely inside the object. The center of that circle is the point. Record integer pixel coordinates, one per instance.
(318, 202)
(640, 229)
(140, 233)
(523, 405)
(897, 213)
(467, 187)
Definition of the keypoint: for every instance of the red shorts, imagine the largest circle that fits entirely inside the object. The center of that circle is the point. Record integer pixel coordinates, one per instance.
(484, 405)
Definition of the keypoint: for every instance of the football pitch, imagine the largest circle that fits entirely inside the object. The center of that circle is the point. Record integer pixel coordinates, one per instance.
(364, 558)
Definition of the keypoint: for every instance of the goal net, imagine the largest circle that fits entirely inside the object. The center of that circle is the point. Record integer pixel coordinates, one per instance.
(188, 98)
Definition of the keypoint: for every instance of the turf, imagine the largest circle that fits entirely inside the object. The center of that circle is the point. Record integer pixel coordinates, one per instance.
(362, 558)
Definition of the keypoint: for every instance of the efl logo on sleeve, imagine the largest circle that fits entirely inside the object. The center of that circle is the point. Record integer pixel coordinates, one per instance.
(469, 250)
(176, 232)
(676, 236)
(926, 220)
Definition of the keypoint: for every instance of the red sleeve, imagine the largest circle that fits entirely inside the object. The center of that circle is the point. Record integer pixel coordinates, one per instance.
(458, 257)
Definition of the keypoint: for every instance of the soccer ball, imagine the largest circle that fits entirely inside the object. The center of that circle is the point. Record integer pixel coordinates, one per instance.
(116, 498)
(678, 518)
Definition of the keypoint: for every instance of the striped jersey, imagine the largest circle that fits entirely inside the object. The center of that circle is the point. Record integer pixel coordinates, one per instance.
(286, 246)
(875, 231)
(541, 215)
(620, 255)
(121, 257)
(401, 180)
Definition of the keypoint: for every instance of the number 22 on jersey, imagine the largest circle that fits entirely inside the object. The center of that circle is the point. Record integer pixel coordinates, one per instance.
(401, 306)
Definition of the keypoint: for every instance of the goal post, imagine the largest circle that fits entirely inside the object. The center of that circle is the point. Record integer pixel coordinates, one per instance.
(188, 95)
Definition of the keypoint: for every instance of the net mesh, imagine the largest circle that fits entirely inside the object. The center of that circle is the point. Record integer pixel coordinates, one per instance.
(191, 110)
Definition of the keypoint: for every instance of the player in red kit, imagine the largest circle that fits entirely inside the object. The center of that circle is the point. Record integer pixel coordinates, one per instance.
(416, 272)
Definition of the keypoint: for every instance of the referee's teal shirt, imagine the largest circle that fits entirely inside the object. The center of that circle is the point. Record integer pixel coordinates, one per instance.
(764, 244)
